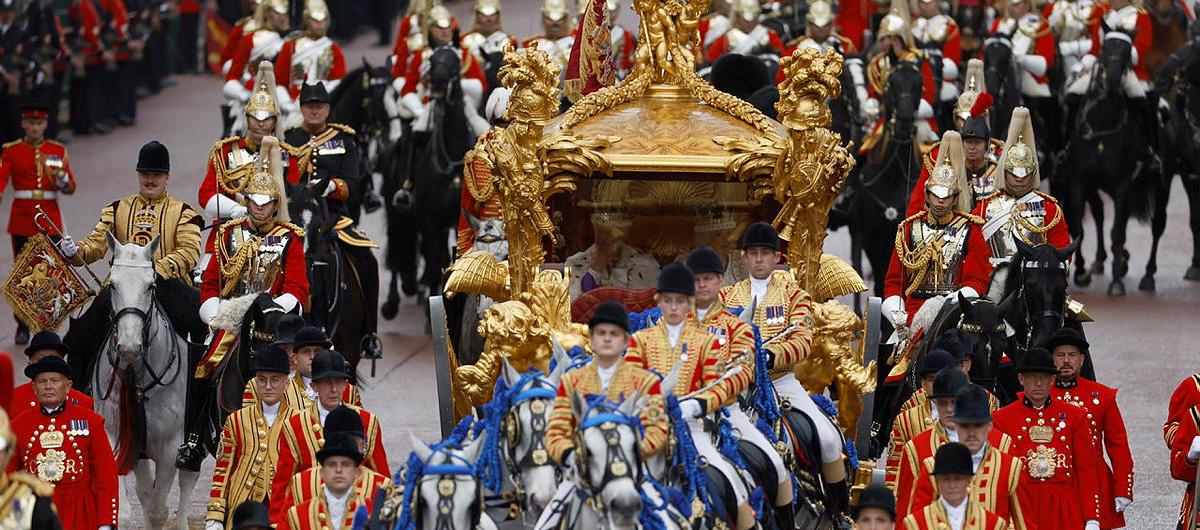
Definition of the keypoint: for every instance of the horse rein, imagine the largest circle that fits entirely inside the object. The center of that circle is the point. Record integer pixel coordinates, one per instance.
(537, 454)
(447, 484)
(146, 316)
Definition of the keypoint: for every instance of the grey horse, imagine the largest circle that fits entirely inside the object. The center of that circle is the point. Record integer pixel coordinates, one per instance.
(145, 362)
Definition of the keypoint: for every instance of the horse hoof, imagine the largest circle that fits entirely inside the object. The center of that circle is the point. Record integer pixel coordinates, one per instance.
(1147, 283)
(390, 308)
(1083, 278)
(1193, 273)
(1097, 268)
(1116, 288)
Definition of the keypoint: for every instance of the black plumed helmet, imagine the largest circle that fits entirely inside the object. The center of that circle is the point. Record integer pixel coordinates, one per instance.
(705, 259)
(677, 278)
(610, 312)
(154, 157)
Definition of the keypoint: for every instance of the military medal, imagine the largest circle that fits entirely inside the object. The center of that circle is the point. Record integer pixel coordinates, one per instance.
(79, 428)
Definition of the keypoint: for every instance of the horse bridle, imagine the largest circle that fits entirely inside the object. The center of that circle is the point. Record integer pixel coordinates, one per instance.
(616, 466)
(1050, 312)
(447, 476)
(146, 317)
(536, 454)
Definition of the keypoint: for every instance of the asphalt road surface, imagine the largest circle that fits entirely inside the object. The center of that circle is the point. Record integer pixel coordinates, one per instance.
(1144, 343)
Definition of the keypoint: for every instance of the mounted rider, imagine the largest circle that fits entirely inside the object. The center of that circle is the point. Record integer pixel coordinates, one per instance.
(677, 339)
(939, 251)
(737, 342)
(487, 37)
(1124, 20)
(308, 57)
(748, 36)
(556, 38)
(1033, 53)
(1017, 208)
(713, 26)
(244, 26)
(415, 91)
(410, 38)
(232, 160)
(772, 301)
(821, 35)
(1076, 27)
(324, 161)
(937, 35)
(895, 44)
(260, 46)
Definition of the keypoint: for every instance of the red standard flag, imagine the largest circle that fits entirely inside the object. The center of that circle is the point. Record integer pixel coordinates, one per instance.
(216, 32)
(591, 66)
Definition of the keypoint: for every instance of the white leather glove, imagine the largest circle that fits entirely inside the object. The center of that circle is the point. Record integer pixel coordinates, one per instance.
(893, 310)
(208, 310)
(235, 92)
(1194, 451)
(287, 302)
(691, 408)
(222, 207)
(1122, 503)
(1092, 525)
(1088, 62)
(68, 246)
(213, 525)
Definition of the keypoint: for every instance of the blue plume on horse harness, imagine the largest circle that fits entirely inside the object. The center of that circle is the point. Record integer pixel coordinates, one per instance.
(416, 469)
(826, 405)
(686, 456)
(764, 390)
(644, 319)
(494, 414)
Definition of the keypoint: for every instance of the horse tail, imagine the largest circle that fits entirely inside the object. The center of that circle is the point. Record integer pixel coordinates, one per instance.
(1144, 192)
(131, 428)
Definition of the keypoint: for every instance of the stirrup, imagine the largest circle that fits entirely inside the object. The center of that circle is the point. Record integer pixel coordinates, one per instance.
(371, 346)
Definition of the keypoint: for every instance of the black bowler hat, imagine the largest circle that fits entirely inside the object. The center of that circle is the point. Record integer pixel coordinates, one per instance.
(875, 496)
(48, 364)
(953, 459)
(329, 364)
(947, 382)
(705, 259)
(270, 358)
(286, 328)
(251, 515)
(972, 406)
(761, 234)
(314, 93)
(610, 312)
(677, 278)
(956, 342)
(310, 336)
(47, 340)
(1067, 336)
(344, 419)
(340, 444)
(1037, 360)
(935, 361)
(976, 127)
(154, 157)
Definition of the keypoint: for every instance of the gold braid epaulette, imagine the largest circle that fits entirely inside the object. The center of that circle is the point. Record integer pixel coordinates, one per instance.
(40, 488)
(12, 143)
(971, 217)
(221, 171)
(299, 231)
(344, 128)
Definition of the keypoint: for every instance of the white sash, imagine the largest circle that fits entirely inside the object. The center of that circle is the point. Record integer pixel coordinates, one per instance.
(993, 225)
(752, 40)
(314, 50)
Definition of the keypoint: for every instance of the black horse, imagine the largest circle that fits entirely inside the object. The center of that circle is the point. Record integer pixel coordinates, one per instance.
(421, 190)
(972, 24)
(1108, 153)
(1179, 82)
(358, 101)
(1000, 76)
(879, 192)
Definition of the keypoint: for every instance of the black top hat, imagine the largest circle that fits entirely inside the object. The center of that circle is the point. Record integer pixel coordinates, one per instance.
(761, 234)
(313, 93)
(953, 459)
(310, 336)
(976, 127)
(286, 328)
(340, 444)
(935, 361)
(270, 358)
(705, 259)
(740, 75)
(972, 406)
(677, 278)
(251, 514)
(1037, 360)
(1066, 336)
(956, 342)
(610, 312)
(154, 157)
(47, 364)
(47, 340)
(344, 419)
(329, 364)
(947, 382)
(875, 496)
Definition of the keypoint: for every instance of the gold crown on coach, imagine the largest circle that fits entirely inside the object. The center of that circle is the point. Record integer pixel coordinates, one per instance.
(708, 220)
(1020, 157)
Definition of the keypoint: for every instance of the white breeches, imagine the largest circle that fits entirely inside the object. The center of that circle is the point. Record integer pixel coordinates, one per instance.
(710, 453)
(750, 433)
(830, 437)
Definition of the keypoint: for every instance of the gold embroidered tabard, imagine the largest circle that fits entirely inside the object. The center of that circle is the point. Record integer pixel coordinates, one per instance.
(250, 260)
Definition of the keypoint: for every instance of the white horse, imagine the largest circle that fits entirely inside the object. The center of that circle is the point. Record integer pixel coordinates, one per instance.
(530, 472)
(144, 361)
(449, 494)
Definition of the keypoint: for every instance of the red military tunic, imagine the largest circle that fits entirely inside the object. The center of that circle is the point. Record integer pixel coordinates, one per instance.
(737, 344)
(912, 464)
(69, 449)
(292, 277)
(412, 74)
(1179, 440)
(1108, 433)
(230, 164)
(1052, 220)
(258, 43)
(974, 270)
(35, 171)
(283, 67)
(765, 38)
(85, 18)
(410, 27)
(1031, 36)
(1135, 23)
(233, 39)
(1185, 396)
(302, 436)
(1055, 445)
(934, 517)
(24, 398)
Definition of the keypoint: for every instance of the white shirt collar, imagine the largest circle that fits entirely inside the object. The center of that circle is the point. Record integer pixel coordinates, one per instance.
(321, 411)
(673, 332)
(758, 288)
(270, 412)
(952, 435)
(933, 414)
(606, 374)
(337, 505)
(701, 313)
(956, 514)
(977, 458)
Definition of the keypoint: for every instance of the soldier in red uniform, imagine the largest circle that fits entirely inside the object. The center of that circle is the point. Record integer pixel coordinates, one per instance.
(747, 36)
(1054, 442)
(414, 95)
(39, 171)
(309, 57)
(66, 445)
(261, 45)
(1182, 435)
(45, 343)
(1069, 348)
(955, 508)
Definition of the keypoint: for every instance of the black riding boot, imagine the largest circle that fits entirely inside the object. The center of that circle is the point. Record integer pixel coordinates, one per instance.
(365, 263)
(838, 498)
(191, 453)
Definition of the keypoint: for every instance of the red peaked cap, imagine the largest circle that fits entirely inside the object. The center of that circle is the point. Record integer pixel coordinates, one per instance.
(982, 103)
